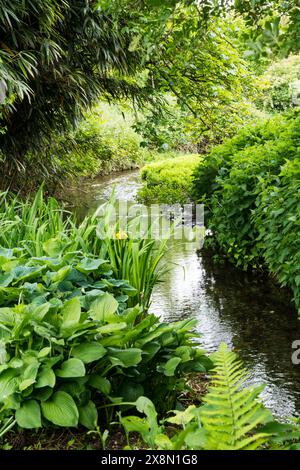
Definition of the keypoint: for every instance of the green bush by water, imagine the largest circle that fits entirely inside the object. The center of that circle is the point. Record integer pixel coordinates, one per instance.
(168, 181)
(250, 186)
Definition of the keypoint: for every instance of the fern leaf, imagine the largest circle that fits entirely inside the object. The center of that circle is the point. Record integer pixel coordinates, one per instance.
(232, 416)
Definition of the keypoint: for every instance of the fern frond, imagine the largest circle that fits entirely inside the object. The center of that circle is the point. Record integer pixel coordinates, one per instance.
(232, 416)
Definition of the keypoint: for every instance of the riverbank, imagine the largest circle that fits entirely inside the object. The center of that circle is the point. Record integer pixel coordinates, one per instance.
(230, 305)
(84, 349)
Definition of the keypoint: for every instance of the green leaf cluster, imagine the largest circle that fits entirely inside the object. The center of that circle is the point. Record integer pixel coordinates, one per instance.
(168, 181)
(70, 346)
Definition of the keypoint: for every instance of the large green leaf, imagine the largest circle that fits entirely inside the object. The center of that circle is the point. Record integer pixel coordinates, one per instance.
(7, 316)
(71, 368)
(28, 416)
(150, 349)
(125, 357)
(42, 394)
(104, 308)
(61, 410)
(8, 383)
(89, 352)
(21, 273)
(29, 375)
(88, 265)
(61, 274)
(39, 312)
(100, 383)
(54, 247)
(88, 415)
(112, 327)
(71, 314)
(169, 367)
(45, 378)
(6, 279)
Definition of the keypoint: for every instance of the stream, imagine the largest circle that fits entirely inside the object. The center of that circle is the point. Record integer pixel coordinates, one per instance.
(244, 310)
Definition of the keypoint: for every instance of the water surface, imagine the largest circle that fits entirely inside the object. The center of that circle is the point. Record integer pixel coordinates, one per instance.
(246, 311)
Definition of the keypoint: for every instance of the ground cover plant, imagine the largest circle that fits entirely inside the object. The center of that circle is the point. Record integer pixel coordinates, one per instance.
(69, 342)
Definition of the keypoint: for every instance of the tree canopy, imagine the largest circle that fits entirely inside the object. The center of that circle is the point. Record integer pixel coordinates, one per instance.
(57, 58)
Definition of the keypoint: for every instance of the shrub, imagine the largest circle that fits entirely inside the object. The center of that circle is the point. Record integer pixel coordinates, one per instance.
(168, 181)
(240, 189)
(279, 86)
(103, 142)
(219, 161)
(277, 219)
(69, 344)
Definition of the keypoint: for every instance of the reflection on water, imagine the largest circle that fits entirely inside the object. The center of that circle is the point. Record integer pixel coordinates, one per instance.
(91, 193)
(244, 310)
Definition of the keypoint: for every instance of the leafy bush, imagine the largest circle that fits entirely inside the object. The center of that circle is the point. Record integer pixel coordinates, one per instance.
(103, 142)
(70, 346)
(277, 219)
(231, 417)
(238, 183)
(168, 181)
(279, 86)
(219, 161)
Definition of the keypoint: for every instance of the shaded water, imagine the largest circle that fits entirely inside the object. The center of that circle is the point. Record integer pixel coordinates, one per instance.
(245, 310)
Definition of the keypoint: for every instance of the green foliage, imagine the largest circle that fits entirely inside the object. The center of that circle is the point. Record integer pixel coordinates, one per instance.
(239, 182)
(279, 85)
(133, 255)
(272, 26)
(173, 126)
(43, 228)
(231, 418)
(219, 161)
(70, 344)
(198, 71)
(59, 58)
(168, 181)
(103, 142)
(56, 59)
(277, 220)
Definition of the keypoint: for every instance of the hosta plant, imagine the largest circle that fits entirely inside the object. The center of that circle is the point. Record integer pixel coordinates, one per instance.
(70, 346)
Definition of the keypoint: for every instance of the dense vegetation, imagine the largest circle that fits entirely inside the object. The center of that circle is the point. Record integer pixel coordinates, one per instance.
(250, 186)
(72, 331)
(207, 95)
(168, 181)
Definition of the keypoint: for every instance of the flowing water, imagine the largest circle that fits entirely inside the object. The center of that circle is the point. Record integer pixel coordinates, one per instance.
(244, 310)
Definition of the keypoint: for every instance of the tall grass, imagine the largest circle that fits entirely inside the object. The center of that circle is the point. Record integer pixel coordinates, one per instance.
(42, 227)
(138, 259)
